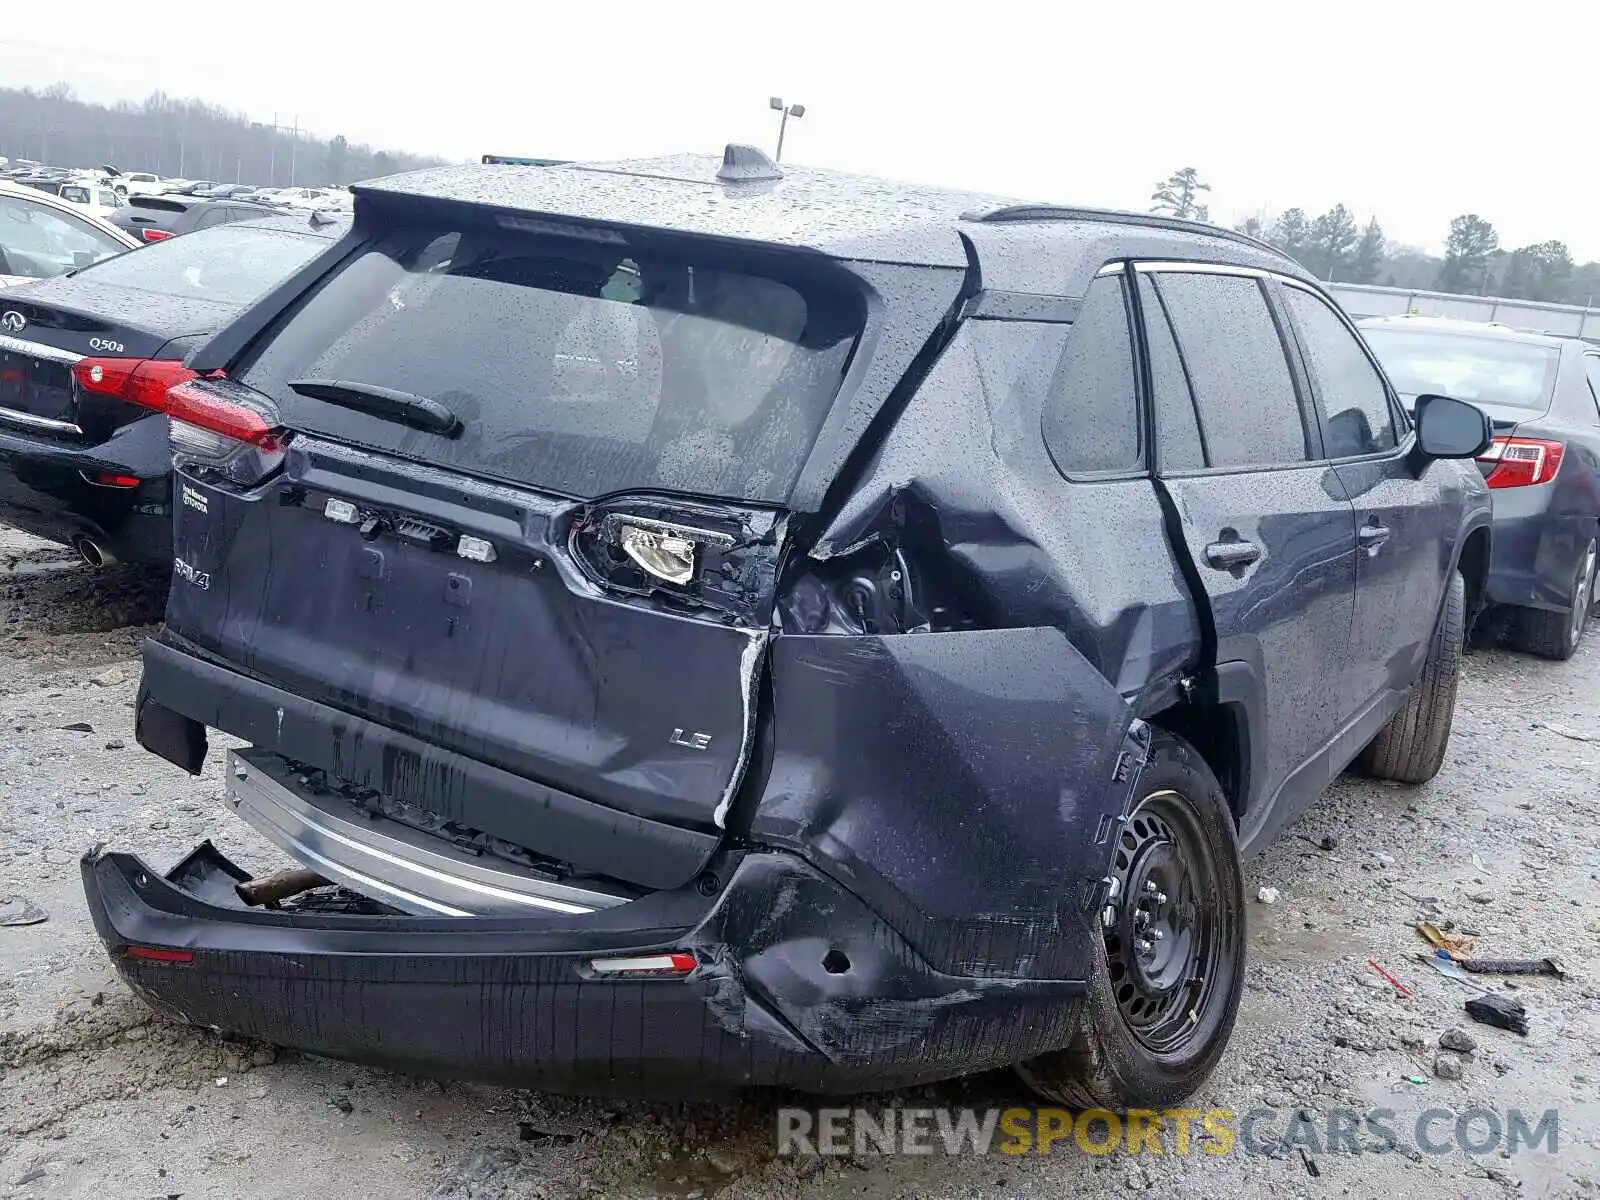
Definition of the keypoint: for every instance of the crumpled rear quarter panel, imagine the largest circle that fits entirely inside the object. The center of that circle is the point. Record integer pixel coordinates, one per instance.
(967, 785)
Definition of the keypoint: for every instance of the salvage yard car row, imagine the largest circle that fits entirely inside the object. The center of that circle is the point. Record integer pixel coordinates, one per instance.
(842, 636)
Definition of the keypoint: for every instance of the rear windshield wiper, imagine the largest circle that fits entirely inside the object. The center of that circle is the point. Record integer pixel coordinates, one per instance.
(417, 411)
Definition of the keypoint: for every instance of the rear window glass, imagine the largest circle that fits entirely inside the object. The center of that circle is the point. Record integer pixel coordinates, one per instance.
(232, 264)
(582, 366)
(1481, 370)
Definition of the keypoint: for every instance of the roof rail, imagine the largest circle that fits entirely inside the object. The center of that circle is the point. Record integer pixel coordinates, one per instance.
(1056, 212)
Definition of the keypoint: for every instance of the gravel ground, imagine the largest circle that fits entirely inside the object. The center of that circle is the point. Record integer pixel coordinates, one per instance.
(99, 1098)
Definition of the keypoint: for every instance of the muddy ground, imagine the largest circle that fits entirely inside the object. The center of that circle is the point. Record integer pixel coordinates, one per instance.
(98, 1098)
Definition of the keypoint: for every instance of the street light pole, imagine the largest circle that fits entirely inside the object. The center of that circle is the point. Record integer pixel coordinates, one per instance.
(787, 110)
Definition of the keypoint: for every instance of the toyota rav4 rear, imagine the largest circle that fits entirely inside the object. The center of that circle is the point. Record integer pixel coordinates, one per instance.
(663, 636)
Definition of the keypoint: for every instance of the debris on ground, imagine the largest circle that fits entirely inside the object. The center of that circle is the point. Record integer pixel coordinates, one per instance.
(1513, 966)
(1448, 1065)
(1571, 735)
(1392, 981)
(1457, 944)
(1503, 1012)
(1268, 895)
(19, 910)
(1457, 1039)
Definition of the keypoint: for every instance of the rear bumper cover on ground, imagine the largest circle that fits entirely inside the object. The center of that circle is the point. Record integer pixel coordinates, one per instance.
(799, 984)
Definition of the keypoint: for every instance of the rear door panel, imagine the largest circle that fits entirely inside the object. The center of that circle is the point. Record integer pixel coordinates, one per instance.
(1269, 530)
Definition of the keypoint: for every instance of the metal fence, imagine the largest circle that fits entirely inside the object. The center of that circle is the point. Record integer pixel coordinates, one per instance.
(1564, 320)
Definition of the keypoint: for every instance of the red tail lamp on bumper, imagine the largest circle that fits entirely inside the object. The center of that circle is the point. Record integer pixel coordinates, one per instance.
(1522, 461)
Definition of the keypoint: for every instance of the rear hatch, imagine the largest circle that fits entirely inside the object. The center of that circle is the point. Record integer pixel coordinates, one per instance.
(124, 311)
(531, 501)
(150, 218)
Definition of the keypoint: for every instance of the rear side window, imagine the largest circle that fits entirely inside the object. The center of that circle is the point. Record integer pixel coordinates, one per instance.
(582, 366)
(229, 264)
(1355, 404)
(1091, 412)
(1237, 368)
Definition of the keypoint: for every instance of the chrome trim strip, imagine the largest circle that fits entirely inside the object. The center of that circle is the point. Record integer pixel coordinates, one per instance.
(411, 870)
(33, 422)
(1157, 266)
(38, 350)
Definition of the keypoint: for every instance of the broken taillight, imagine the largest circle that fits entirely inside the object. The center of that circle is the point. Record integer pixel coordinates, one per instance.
(1522, 461)
(644, 966)
(223, 430)
(693, 554)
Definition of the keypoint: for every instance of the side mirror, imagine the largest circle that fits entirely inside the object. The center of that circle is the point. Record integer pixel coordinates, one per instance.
(1450, 428)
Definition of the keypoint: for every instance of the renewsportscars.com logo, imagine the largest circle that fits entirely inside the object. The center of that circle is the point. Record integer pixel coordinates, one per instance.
(1212, 1131)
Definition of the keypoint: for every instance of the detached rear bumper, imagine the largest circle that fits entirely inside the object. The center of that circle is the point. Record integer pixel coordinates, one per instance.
(799, 984)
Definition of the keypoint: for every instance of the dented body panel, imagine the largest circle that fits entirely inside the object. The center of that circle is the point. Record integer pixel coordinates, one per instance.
(861, 740)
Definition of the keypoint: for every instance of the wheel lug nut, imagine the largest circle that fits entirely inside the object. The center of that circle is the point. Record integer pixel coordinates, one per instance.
(1146, 945)
(1157, 934)
(1150, 886)
(1161, 897)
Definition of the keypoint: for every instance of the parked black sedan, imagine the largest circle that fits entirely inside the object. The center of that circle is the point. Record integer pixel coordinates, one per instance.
(1543, 468)
(80, 461)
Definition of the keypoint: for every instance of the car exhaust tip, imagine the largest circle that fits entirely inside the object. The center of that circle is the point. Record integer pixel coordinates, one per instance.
(92, 553)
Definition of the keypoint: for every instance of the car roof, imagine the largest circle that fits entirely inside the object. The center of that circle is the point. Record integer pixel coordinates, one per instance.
(743, 196)
(1454, 325)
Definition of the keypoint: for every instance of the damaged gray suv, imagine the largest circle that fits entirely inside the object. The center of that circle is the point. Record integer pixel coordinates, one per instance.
(701, 626)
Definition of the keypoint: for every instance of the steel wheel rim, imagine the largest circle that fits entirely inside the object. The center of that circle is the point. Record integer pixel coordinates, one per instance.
(1166, 937)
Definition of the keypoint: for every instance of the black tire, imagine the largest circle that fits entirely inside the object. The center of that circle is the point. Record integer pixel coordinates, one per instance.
(1555, 635)
(1125, 1053)
(1410, 748)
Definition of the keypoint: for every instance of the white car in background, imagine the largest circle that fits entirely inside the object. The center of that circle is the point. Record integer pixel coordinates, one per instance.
(42, 235)
(97, 199)
(140, 183)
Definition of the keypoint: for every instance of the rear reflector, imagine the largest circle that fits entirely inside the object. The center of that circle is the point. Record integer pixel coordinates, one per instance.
(1522, 462)
(647, 964)
(155, 235)
(110, 479)
(159, 954)
(142, 381)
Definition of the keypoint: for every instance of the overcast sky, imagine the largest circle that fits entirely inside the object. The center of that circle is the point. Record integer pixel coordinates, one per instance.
(1413, 110)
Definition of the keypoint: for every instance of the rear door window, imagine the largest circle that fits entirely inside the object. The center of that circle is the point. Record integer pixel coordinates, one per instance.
(1237, 367)
(582, 365)
(1091, 413)
(1355, 403)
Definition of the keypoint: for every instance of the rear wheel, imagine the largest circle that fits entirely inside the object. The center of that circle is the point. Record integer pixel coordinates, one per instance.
(1169, 964)
(1410, 748)
(1556, 634)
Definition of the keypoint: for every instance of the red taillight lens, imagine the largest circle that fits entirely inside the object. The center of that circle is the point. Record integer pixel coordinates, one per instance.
(1521, 462)
(142, 381)
(194, 403)
(155, 235)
